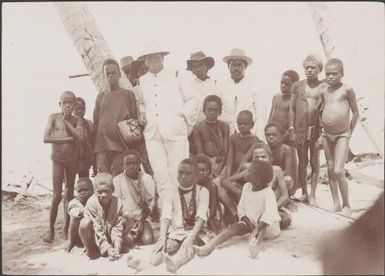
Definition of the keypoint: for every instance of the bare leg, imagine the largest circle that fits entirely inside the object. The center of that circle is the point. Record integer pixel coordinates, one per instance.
(57, 182)
(74, 238)
(236, 229)
(314, 164)
(147, 236)
(70, 173)
(183, 256)
(294, 170)
(328, 147)
(227, 201)
(303, 160)
(87, 235)
(341, 151)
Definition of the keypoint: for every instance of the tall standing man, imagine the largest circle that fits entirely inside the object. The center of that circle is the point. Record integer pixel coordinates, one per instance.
(239, 93)
(166, 111)
(304, 124)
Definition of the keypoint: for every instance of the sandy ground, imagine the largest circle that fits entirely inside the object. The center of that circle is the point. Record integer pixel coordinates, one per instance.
(294, 252)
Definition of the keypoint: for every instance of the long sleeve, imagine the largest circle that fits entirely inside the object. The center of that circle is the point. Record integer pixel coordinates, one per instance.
(190, 104)
(117, 227)
(133, 105)
(139, 99)
(203, 204)
(150, 187)
(259, 115)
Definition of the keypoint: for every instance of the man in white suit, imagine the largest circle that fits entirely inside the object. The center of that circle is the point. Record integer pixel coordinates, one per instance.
(239, 93)
(165, 110)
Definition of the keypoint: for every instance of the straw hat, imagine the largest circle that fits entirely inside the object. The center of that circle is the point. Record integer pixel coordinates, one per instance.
(152, 48)
(238, 53)
(200, 56)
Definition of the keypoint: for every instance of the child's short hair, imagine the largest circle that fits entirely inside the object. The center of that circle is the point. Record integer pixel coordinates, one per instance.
(189, 161)
(274, 124)
(212, 98)
(111, 61)
(314, 58)
(132, 152)
(103, 179)
(292, 75)
(68, 93)
(81, 100)
(84, 180)
(247, 113)
(201, 158)
(337, 62)
(264, 146)
(263, 170)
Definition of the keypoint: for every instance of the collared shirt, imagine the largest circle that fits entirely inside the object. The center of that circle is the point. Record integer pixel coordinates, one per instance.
(201, 90)
(107, 224)
(168, 108)
(172, 207)
(258, 206)
(241, 96)
(123, 191)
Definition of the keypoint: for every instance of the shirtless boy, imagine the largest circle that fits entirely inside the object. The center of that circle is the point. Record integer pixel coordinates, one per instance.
(338, 99)
(84, 190)
(62, 131)
(85, 155)
(280, 113)
(211, 136)
(304, 125)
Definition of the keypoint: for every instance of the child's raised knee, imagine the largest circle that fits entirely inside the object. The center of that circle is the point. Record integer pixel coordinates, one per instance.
(85, 225)
(289, 182)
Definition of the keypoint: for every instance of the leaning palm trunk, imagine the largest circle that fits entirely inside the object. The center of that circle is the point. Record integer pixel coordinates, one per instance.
(89, 42)
(329, 38)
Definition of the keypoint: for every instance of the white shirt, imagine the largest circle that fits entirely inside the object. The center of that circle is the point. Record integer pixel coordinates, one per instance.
(168, 108)
(172, 207)
(258, 206)
(241, 96)
(201, 90)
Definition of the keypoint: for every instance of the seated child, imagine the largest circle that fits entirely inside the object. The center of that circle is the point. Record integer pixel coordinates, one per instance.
(211, 136)
(280, 184)
(85, 155)
(239, 145)
(205, 180)
(62, 131)
(136, 190)
(102, 226)
(84, 190)
(184, 215)
(338, 99)
(257, 210)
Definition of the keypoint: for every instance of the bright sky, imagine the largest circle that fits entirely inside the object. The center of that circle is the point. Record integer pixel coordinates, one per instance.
(38, 56)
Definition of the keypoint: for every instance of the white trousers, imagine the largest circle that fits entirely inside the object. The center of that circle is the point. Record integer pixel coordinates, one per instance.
(165, 156)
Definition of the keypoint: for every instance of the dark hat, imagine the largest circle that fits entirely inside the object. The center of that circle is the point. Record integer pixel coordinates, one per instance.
(200, 56)
(129, 63)
(263, 170)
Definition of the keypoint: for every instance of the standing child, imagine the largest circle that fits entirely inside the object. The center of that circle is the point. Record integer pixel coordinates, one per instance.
(205, 180)
(338, 99)
(102, 226)
(280, 113)
(85, 155)
(84, 190)
(62, 131)
(211, 136)
(257, 211)
(136, 190)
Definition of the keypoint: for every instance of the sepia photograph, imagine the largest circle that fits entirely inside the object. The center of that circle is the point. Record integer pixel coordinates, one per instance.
(192, 138)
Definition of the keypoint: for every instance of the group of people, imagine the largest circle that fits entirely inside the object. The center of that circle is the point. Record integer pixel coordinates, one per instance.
(198, 161)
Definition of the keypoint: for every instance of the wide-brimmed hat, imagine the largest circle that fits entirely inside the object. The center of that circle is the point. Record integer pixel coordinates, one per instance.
(200, 56)
(129, 63)
(152, 48)
(238, 53)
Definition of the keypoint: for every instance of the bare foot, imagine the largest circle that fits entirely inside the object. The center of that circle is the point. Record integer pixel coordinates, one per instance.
(303, 198)
(49, 238)
(203, 251)
(346, 211)
(157, 258)
(312, 201)
(337, 207)
(171, 266)
(69, 247)
(133, 262)
(253, 248)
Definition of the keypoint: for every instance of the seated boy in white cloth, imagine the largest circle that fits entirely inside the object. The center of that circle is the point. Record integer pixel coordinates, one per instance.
(136, 190)
(184, 215)
(257, 211)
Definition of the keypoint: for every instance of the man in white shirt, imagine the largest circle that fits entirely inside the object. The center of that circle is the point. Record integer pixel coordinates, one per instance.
(165, 110)
(239, 93)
